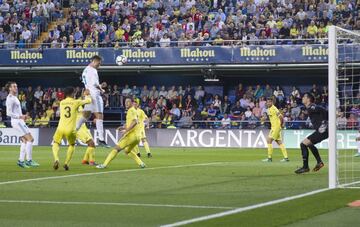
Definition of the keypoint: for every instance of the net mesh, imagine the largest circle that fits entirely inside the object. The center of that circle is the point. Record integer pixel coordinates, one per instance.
(348, 111)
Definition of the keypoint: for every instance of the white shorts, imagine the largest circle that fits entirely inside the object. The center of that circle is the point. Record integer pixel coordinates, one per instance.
(96, 105)
(20, 126)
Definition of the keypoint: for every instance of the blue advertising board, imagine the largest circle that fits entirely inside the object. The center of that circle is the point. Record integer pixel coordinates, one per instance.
(266, 54)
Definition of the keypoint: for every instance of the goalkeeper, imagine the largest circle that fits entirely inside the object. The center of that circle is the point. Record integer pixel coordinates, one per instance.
(319, 119)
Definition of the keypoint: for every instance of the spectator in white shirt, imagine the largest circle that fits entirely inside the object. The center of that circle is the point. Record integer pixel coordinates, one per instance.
(175, 112)
(199, 94)
(225, 122)
(165, 41)
(38, 93)
(126, 91)
(26, 34)
(163, 92)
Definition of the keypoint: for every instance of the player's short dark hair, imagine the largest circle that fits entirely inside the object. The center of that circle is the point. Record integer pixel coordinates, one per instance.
(8, 85)
(310, 96)
(271, 98)
(69, 91)
(96, 57)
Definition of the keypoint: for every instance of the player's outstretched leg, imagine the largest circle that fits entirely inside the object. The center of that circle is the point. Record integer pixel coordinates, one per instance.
(113, 153)
(305, 156)
(134, 156)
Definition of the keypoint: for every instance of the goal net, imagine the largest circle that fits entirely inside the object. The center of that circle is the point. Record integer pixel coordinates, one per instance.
(344, 108)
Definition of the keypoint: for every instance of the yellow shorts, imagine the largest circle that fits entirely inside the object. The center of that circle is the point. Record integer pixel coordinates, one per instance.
(83, 134)
(129, 141)
(70, 136)
(275, 134)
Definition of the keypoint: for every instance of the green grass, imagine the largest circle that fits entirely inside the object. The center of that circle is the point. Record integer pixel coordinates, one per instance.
(238, 179)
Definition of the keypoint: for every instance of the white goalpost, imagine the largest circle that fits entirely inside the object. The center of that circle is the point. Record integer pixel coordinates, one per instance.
(343, 80)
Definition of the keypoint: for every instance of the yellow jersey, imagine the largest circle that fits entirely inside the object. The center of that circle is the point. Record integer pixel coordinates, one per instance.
(274, 117)
(132, 115)
(142, 117)
(69, 112)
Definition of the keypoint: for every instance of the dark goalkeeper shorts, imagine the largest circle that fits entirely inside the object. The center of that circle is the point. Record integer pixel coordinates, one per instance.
(317, 137)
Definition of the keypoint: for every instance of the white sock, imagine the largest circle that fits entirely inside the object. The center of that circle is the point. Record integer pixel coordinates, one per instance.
(22, 151)
(28, 151)
(81, 121)
(100, 128)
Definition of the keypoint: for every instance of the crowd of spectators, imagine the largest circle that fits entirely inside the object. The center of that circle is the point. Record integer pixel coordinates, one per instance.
(21, 21)
(116, 23)
(192, 107)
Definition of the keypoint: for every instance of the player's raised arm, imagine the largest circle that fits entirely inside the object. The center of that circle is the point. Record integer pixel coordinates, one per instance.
(86, 100)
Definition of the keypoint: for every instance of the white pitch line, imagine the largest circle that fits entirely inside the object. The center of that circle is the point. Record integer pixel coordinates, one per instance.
(107, 172)
(242, 209)
(116, 204)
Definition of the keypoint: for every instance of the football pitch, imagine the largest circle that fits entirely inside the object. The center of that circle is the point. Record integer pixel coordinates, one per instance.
(178, 185)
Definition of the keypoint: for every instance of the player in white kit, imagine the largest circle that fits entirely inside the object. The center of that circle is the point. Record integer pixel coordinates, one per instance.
(90, 79)
(13, 110)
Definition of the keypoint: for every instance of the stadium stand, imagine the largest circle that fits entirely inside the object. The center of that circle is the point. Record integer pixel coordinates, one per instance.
(105, 23)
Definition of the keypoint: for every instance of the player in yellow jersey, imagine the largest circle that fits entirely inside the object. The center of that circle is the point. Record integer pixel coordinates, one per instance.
(276, 121)
(130, 137)
(143, 121)
(67, 125)
(84, 135)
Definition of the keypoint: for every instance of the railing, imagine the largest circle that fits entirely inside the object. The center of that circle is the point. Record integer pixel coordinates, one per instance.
(194, 43)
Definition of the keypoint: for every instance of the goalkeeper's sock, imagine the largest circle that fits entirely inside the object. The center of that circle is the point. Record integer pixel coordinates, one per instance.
(283, 150)
(270, 150)
(305, 155)
(146, 146)
(28, 150)
(134, 156)
(315, 152)
(22, 151)
(69, 154)
(110, 157)
(55, 150)
(91, 152)
(81, 121)
(100, 128)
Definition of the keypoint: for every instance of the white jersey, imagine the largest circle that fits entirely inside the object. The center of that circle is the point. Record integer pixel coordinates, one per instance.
(90, 78)
(13, 107)
(13, 110)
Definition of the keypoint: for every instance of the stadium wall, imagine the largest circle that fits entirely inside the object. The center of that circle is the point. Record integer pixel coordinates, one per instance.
(246, 138)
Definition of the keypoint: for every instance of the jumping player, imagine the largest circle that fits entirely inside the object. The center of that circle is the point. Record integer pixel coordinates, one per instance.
(90, 78)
